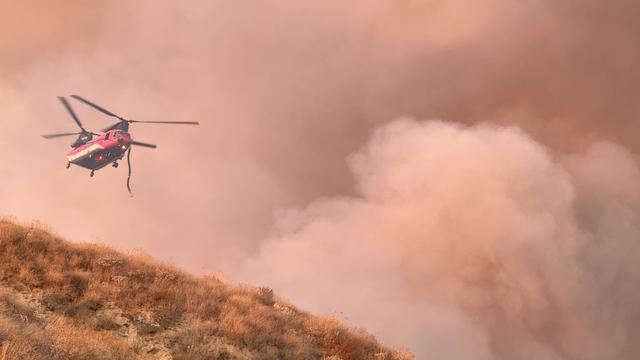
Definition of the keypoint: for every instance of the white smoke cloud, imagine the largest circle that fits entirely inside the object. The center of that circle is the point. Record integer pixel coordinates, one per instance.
(471, 242)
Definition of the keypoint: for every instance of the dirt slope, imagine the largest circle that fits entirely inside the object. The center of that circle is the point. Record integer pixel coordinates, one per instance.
(67, 301)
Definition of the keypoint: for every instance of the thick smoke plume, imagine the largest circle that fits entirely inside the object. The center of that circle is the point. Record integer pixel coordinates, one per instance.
(481, 241)
(477, 237)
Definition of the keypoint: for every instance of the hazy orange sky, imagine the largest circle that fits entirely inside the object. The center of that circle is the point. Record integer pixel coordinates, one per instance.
(447, 174)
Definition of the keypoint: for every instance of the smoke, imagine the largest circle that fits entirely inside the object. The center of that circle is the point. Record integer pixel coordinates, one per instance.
(286, 90)
(472, 242)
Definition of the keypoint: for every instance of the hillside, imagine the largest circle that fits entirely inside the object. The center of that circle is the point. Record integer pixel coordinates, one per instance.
(79, 301)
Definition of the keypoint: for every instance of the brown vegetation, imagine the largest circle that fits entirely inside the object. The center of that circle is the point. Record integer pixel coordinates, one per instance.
(68, 301)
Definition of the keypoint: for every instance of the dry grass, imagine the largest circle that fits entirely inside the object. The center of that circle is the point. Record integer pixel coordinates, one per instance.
(99, 304)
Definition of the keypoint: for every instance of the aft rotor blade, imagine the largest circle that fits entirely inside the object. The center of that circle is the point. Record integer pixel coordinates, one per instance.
(53, 136)
(97, 107)
(111, 127)
(166, 122)
(70, 110)
(153, 146)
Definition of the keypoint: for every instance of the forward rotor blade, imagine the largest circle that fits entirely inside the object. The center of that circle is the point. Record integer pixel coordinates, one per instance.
(166, 122)
(99, 108)
(53, 136)
(152, 146)
(70, 110)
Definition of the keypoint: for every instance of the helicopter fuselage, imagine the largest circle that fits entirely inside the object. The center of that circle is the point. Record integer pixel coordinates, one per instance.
(105, 149)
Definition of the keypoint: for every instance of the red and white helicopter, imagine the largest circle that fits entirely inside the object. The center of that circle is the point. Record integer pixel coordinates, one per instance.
(109, 146)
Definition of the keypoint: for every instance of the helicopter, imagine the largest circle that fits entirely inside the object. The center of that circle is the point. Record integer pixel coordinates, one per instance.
(94, 151)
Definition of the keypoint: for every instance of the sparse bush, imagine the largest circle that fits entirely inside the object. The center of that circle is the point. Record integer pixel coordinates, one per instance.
(14, 308)
(265, 296)
(77, 283)
(57, 302)
(104, 323)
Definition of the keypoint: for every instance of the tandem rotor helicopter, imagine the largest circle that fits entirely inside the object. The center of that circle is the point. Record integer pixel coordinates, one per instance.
(94, 151)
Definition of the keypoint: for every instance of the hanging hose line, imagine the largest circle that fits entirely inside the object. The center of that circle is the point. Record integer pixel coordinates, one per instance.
(129, 176)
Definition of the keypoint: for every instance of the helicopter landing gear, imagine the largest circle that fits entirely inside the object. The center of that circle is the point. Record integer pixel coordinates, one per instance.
(115, 164)
(91, 173)
(68, 165)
